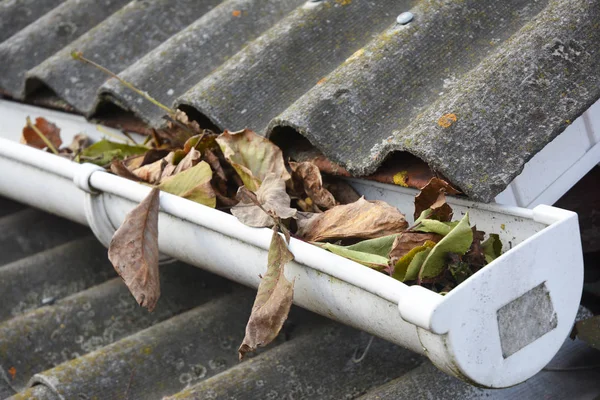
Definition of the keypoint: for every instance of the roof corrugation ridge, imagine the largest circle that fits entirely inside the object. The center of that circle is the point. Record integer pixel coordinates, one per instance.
(337, 371)
(95, 317)
(182, 61)
(30, 231)
(15, 15)
(269, 74)
(47, 35)
(53, 274)
(143, 25)
(395, 78)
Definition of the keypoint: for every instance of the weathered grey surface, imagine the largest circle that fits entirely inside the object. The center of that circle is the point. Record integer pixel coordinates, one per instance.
(512, 74)
(48, 276)
(268, 75)
(322, 364)
(59, 27)
(121, 40)
(29, 231)
(573, 374)
(96, 317)
(17, 14)
(475, 88)
(525, 319)
(182, 61)
(9, 207)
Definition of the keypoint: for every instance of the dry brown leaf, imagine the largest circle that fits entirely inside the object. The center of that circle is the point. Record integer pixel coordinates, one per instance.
(192, 158)
(80, 142)
(118, 168)
(272, 198)
(433, 195)
(151, 173)
(252, 156)
(360, 220)
(307, 176)
(408, 241)
(133, 251)
(475, 256)
(273, 299)
(50, 130)
(341, 191)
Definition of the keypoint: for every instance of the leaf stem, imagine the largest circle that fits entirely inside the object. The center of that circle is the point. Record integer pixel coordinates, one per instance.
(42, 136)
(77, 55)
(114, 135)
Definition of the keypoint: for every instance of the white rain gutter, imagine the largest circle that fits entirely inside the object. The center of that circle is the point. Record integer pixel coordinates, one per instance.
(496, 329)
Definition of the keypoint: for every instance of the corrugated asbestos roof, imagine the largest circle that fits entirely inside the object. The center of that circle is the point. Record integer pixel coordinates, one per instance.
(69, 329)
(473, 87)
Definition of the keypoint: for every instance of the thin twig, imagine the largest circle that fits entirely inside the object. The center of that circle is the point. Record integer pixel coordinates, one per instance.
(129, 384)
(77, 55)
(129, 137)
(113, 135)
(47, 142)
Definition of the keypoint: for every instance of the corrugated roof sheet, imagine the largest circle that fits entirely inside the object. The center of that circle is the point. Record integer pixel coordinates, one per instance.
(473, 87)
(69, 329)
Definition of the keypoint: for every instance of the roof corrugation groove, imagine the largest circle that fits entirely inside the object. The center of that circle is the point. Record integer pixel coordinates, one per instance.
(69, 329)
(508, 75)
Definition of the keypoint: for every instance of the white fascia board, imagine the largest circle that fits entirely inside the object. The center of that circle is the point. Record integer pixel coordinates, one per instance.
(558, 166)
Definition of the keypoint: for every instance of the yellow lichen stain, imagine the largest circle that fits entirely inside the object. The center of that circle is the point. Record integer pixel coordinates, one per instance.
(236, 13)
(343, 2)
(356, 55)
(322, 81)
(503, 227)
(568, 121)
(147, 350)
(400, 178)
(447, 120)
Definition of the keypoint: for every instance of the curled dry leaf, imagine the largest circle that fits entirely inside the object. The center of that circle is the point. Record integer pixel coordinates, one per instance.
(118, 168)
(274, 202)
(360, 220)
(151, 173)
(273, 299)
(252, 156)
(433, 196)
(307, 176)
(405, 242)
(191, 159)
(193, 184)
(52, 132)
(133, 251)
(80, 142)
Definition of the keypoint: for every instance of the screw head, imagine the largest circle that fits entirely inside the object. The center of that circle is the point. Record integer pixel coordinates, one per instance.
(405, 18)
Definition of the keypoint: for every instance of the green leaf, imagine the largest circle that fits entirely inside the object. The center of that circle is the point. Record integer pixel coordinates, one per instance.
(192, 184)
(492, 247)
(458, 241)
(370, 260)
(380, 246)
(435, 226)
(405, 269)
(424, 215)
(104, 151)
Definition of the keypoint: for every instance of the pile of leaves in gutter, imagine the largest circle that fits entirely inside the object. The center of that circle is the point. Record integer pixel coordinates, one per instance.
(246, 174)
